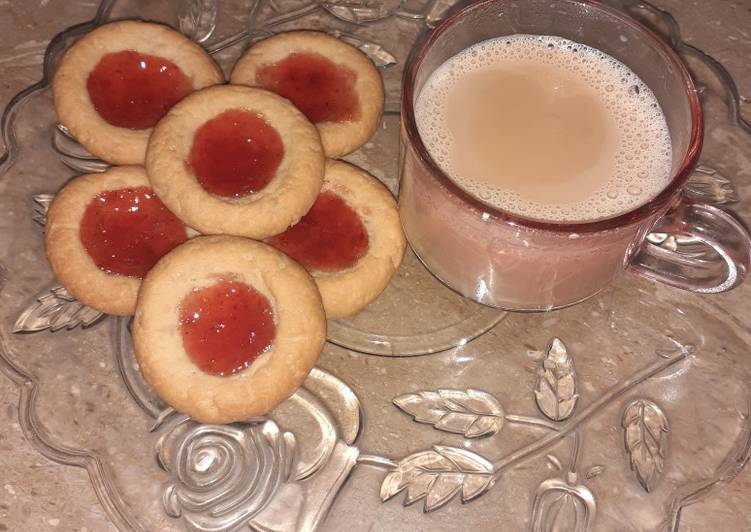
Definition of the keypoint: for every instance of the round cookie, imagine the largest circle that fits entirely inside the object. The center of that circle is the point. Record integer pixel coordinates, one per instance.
(351, 241)
(172, 357)
(332, 82)
(113, 85)
(236, 160)
(103, 232)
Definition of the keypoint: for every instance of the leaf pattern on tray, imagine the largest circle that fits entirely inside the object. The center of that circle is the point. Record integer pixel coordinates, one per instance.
(42, 204)
(197, 19)
(646, 438)
(438, 475)
(378, 54)
(554, 462)
(73, 155)
(87, 162)
(709, 186)
(438, 10)
(356, 14)
(472, 413)
(555, 387)
(689, 246)
(55, 309)
(594, 471)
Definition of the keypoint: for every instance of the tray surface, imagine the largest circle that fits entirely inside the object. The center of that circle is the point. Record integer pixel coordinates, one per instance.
(631, 415)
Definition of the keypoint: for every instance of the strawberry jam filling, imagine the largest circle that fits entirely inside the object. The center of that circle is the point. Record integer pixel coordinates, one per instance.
(134, 90)
(127, 231)
(226, 326)
(321, 89)
(329, 238)
(235, 154)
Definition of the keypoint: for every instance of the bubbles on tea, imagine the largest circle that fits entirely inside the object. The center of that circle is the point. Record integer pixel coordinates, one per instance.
(641, 158)
(634, 190)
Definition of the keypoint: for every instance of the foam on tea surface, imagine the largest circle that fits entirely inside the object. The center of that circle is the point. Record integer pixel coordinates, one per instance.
(545, 128)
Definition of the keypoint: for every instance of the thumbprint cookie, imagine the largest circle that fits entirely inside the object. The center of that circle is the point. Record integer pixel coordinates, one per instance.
(333, 83)
(236, 160)
(115, 83)
(104, 232)
(227, 328)
(351, 240)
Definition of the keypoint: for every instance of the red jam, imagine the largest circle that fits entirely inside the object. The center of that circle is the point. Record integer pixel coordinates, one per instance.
(135, 90)
(322, 90)
(127, 231)
(329, 238)
(235, 154)
(226, 326)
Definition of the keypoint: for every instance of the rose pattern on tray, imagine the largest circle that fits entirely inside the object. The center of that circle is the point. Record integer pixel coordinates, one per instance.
(224, 475)
(302, 473)
(207, 463)
(256, 474)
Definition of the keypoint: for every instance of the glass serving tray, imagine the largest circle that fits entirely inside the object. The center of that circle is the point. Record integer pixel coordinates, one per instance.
(611, 415)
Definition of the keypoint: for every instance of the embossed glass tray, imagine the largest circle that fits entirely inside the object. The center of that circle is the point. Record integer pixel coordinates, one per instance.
(611, 415)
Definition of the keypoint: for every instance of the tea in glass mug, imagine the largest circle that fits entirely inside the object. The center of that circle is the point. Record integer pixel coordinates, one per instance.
(541, 142)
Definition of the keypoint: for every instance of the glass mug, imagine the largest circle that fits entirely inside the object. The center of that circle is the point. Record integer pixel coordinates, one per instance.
(509, 262)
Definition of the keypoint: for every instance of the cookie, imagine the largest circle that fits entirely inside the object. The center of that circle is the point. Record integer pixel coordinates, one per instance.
(333, 83)
(104, 232)
(116, 82)
(227, 328)
(351, 241)
(236, 160)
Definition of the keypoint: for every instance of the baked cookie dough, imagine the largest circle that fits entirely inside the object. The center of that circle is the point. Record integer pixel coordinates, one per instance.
(351, 241)
(117, 81)
(104, 232)
(333, 83)
(236, 160)
(227, 328)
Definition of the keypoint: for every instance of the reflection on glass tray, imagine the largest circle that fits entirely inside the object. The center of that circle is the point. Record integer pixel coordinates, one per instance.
(598, 417)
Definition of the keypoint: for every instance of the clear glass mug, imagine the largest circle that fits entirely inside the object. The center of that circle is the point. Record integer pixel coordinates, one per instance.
(506, 261)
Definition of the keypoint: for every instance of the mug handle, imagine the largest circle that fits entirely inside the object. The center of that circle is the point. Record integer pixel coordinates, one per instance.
(705, 273)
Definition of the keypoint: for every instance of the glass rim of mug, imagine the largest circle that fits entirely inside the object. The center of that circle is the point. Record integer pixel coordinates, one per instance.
(653, 206)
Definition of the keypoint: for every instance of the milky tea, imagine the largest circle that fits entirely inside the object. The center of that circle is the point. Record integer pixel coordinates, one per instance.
(545, 128)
